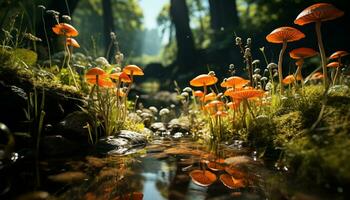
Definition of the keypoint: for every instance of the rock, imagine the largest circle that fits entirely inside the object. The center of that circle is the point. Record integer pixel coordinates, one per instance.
(123, 143)
(68, 177)
(56, 145)
(158, 127)
(12, 102)
(175, 125)
(178, 135)
(37, 195)
(72, 126)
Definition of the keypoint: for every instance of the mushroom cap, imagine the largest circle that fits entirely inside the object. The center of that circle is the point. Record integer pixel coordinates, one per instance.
(210, 96)
(221, 113)
(234, 105)
(284, 34)
(338, 54)
(231, 182)
(215, 103)
(102, 82)
(288, 79)
(135, 70)
(333, 64)
(215, 166)
(318, 12)
(231, 170)
(198, 93)
(301, 53)
(65, 29)
(234, 81)
(317, 76)
(203, 177)
(72, 42)
(203, 80)
(95, 71)
(122, 76)
(244, 93)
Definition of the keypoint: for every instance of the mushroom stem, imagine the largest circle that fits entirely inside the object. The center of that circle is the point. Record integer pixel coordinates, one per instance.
(323, 54)
(205, 93)
(337, 71)
(298, 71)
(280, 62)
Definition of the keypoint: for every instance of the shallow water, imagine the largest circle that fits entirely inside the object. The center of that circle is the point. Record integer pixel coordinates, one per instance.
(159, 171)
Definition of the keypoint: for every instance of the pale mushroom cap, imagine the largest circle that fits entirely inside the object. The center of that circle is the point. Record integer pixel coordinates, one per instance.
(301, 53)
(135, 70)
(318, 12)
(203, 80)
(338, 54)
(284, 34)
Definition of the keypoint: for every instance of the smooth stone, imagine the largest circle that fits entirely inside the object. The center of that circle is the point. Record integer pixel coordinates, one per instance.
(68, 177)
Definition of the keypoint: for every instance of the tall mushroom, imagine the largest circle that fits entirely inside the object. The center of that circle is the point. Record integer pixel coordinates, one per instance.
(319, 13)
(132, 70)
(338, 55)
(283, 35)
(203, 80)
(300, 54)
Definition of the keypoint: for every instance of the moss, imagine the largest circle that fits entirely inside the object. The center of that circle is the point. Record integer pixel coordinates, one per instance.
(287, 127)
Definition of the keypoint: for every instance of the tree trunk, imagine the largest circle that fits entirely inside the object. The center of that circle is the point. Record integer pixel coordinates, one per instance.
(186, 53)
(108, 27)
(223, 16)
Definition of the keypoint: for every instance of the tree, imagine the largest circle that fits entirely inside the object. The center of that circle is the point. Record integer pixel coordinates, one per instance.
(186, 53)
(108, 27)
(223, 17)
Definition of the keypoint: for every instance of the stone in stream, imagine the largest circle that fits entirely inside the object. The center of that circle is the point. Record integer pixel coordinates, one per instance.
(68, 177)
(72, 126)
(123, 143)
(176, 125)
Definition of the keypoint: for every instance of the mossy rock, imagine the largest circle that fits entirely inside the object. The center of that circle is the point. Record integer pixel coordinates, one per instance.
(288, 126)
(27, 56)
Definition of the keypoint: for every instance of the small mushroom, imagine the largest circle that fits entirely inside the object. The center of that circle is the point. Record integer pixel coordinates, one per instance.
(72, 42)
(283, 35)
(65, 29)
(319, 13)
(300, 54)
(234, 82)
(338, 56)
(204, 80)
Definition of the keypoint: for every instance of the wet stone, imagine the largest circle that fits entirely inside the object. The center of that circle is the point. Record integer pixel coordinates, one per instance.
(124, 143)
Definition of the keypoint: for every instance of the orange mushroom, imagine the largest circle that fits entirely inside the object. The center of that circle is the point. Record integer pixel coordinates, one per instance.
(316, 76)
(333, 65)
(203, 80)
(209, 97)
(72, 42)
(283, 35)
(247, 94)
(300, 54)
(203, 177)
(231, 182)
(234, 81)
(234, 105)
(120, 76)
(198, 93)
(318, 13)
(133, 70)
(289, 79)
(65, 29)
(338, 55)
(97, 76)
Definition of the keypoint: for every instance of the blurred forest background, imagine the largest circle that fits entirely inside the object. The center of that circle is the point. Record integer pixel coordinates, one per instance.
(189, 36)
